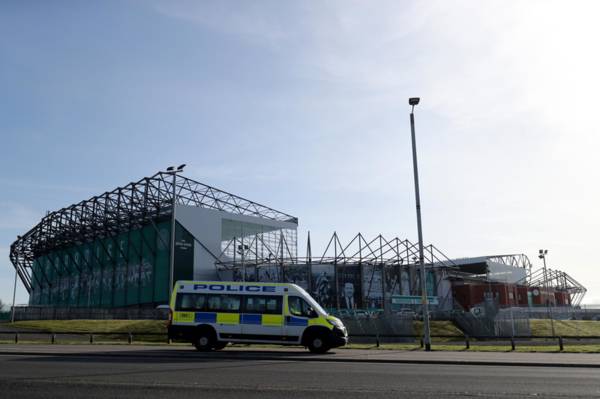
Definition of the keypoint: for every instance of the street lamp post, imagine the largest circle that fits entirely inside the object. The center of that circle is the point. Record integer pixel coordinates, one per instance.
(12, 314)
(172, 170)
(424, 305)
(542, 255)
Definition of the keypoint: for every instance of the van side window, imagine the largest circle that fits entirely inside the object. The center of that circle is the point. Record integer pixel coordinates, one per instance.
(262, 304)
(299, 307)
(224, 303)
(190, 302)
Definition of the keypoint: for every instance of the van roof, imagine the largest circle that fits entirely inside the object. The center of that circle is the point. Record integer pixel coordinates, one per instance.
(236, 282)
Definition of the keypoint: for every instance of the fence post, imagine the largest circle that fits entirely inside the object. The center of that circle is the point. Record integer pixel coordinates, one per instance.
(91, 338)
(560, 344)
(467, 343)
(53, 339)
(129, 338)
(512, 343)
(421, 342)
(16, 338)
(377, 340)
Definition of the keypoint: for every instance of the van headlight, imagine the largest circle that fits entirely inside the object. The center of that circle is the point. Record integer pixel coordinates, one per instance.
(336, 323)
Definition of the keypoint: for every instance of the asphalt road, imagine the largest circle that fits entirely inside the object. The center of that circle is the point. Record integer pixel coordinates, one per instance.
(132, 375)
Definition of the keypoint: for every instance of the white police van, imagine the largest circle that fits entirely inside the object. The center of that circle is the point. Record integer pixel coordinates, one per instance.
(211, 314)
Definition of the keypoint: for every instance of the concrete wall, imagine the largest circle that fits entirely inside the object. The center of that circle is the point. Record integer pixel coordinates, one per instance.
(206, 226)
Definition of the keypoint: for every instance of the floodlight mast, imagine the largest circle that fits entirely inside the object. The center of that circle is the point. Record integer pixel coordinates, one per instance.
(542, 255)
(172, 170)
(424, 300)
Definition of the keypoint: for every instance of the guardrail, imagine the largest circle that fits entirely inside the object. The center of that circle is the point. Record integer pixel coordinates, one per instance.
(468, 339)
(52, 335)
(559, 341)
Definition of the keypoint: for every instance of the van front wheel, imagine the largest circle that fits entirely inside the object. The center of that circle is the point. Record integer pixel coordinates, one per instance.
(317, 344)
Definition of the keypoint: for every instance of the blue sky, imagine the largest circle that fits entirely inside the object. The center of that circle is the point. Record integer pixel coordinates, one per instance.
(302, 106)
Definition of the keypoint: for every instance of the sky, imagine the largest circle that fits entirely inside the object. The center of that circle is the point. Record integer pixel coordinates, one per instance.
(302, 106)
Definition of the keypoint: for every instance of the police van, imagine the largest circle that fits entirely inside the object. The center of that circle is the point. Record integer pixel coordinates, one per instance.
(210, 314)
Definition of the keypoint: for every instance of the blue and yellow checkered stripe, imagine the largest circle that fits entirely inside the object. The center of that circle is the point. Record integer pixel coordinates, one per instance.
(229, 318)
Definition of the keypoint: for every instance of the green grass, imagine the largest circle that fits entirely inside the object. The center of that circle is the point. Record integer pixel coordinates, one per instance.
(86, 326)
(98, 326)
(438, 327)
(541, 327)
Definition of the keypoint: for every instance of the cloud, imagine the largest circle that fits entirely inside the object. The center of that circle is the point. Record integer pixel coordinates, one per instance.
(247, 20)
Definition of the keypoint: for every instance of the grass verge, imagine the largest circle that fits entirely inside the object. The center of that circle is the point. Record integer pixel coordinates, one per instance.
(86, 326)
(565, 327)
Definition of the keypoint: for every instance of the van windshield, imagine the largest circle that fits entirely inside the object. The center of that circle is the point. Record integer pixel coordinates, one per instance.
(315, 305)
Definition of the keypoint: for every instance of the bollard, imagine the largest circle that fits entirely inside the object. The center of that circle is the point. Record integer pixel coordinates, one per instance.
(91, 338)
(16, 338)
(129, 338)
(467, 343)
(512, 343)
(53, 339)
(560, 344)
(169, 341)
(422, 344)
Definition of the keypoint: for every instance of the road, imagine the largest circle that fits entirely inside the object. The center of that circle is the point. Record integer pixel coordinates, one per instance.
(165, 374)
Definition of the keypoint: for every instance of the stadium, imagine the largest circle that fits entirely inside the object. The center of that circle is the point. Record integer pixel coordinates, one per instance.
(124, 249)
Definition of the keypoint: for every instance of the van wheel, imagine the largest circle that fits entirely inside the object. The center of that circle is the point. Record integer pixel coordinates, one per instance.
(317, 344)
(204, 341)
(220, 345)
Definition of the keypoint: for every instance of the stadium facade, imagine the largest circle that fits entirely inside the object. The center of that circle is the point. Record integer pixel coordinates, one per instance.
(125, 248)
(114, 250)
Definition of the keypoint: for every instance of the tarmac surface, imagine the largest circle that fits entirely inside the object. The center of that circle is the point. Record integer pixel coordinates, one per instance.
(107, 371)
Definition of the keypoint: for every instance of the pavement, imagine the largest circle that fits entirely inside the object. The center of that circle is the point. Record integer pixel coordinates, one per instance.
(146, 372)
(587, 360)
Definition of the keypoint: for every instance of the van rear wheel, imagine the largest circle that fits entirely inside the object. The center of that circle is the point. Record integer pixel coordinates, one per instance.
(318, 344)
(204, 341)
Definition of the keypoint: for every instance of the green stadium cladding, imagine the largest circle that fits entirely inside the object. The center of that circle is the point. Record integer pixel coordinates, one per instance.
(114, 250)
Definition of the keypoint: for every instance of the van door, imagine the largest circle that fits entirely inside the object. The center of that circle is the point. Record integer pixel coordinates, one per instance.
(225, 310)
(262, 318)
(298, 313)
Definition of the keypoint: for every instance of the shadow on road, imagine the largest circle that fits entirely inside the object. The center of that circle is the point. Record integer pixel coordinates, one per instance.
(174, 356)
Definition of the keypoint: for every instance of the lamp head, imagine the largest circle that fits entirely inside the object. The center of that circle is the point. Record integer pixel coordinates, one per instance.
(413, 101)
(170, 168)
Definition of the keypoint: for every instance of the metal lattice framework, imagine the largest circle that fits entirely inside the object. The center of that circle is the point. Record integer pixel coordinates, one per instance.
(379, 251)
(559, 281)
(515, 260)
(124, 208)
